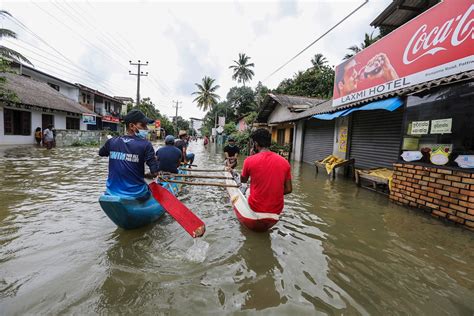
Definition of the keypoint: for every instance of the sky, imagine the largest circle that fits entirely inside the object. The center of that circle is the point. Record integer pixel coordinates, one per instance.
(91, 42)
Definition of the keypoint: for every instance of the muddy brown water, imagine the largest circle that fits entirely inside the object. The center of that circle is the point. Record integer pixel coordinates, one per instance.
(337, 250)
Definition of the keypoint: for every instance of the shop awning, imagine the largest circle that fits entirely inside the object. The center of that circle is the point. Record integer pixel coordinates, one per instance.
(330, 116)
(388, 104)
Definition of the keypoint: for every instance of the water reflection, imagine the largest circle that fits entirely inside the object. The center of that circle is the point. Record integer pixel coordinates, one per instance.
(337, 250)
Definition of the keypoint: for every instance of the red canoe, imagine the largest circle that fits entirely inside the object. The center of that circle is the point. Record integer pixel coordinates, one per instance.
(253, 220)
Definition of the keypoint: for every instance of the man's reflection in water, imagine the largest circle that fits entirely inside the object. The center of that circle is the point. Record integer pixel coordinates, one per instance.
(260, 260)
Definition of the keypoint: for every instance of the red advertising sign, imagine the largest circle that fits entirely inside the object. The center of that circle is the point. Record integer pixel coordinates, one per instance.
(109, 118)
(436, 44)
(157, 123)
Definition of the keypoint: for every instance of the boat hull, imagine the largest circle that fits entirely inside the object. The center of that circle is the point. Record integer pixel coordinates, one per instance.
(130, 213)
(256, 221)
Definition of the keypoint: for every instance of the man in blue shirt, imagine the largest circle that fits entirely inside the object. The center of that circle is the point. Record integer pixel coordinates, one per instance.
(168, 156)
(127, 157)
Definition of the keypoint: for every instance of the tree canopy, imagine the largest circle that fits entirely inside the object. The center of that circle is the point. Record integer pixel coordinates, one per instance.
(206, 96)
(242, 69)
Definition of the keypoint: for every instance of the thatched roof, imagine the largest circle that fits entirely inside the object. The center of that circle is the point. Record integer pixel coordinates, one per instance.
(294, 104)
(36, 93)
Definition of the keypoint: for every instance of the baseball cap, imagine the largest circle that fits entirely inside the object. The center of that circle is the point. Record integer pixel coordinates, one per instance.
(182, 132)
(169, 139)
(231, 139)
(135, 116)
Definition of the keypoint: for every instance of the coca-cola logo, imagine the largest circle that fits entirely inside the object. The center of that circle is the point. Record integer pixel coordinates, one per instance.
(429, 42)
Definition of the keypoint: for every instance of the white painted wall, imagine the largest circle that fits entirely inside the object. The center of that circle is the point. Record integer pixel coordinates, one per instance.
(36, 121)
(69, 91)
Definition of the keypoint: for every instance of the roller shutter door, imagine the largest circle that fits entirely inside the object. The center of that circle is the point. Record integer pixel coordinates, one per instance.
(375, 138)
(318, 140)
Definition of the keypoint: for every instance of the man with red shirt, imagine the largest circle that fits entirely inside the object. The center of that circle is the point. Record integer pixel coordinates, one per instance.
(270, 174)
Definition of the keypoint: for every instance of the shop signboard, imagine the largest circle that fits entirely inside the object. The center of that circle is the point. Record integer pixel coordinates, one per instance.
(441, 126)
(420, 127)
(88, 119)
(221, 121)
(110, 119)
(435, 44)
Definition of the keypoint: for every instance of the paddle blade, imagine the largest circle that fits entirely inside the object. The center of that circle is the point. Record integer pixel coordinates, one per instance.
(187, 219)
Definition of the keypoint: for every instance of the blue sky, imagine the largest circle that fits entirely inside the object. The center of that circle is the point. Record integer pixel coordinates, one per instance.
(182, 41)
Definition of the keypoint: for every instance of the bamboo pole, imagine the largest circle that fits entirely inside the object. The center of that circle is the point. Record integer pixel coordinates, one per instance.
(183, 175)
(215, 184)
(201, 170)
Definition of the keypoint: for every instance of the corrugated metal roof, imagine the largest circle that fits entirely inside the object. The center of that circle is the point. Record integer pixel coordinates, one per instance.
(292, 102)
(36, 93)
(401, 11)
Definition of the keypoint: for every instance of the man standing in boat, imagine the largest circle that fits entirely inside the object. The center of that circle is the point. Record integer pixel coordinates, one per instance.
(231, 152)
(127, 157)
(269, 173)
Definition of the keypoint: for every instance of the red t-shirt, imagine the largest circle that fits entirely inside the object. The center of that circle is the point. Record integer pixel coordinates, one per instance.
(268, 173)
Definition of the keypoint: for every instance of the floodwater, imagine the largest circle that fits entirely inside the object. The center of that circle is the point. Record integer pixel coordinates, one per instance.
(337, 250)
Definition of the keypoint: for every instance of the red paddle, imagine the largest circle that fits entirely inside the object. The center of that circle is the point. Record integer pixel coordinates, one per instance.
(183, 215)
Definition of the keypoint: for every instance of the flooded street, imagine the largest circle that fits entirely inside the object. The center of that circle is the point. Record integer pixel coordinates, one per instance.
(337, 250)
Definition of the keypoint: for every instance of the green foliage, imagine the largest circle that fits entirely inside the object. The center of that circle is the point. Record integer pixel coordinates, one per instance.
(241, 68)
(182, 124)
(250, 118)
(242, 140)
(149, 109)
(369, 39)
(8, 52)
(277, 148)
(261, 92)
(230, 128)
(205, 95)
(5, 94)
(242, 100)
(220, 109)
(314, 82)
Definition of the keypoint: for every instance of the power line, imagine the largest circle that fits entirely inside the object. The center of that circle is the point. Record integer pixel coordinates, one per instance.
(316, 40)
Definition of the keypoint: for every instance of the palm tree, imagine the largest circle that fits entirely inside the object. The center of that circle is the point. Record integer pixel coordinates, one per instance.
(319, 61)
(368, 40)
(206, 96)
(8, 52)
(242, 71)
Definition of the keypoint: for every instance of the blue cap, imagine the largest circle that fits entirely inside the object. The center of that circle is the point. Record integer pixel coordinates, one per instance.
(169, 139)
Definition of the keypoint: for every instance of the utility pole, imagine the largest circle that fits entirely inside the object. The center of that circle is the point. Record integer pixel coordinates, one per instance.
(176, 117)
(138, 74)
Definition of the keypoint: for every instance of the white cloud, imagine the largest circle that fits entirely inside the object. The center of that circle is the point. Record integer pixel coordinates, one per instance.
(185, 41)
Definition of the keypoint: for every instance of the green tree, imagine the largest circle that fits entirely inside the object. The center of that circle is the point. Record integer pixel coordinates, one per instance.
(8, 52)
(260, 93)
(206, 96)
(368, 40)
(242, 69)
(319, 61)
(242, 100)
(230, 128)
(313, 82)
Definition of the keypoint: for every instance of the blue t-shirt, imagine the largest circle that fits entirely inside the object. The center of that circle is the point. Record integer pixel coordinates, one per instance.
(168, 158)
(127, 158)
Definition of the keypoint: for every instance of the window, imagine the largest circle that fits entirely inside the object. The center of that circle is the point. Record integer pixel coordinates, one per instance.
(72, 123)
(17, 122)
(54, 86)
(46, 119)
(439, 126)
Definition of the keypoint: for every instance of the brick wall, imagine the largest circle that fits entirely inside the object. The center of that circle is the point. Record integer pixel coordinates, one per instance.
(447, 194)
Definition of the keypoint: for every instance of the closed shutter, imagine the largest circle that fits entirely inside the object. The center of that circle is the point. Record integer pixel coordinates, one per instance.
(375, 138)
(318, 140)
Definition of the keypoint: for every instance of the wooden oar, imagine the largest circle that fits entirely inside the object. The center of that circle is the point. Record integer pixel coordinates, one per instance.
(215, 184)
(187, 219)
(181, 175)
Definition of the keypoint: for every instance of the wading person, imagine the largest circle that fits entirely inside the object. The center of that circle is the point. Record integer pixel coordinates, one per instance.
(231, 152)
(127, 157)
(168, 156)
(48, 137)
(38, 135)
(269, 174)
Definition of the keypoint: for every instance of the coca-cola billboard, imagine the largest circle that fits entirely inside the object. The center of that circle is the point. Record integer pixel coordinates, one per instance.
(436, 44)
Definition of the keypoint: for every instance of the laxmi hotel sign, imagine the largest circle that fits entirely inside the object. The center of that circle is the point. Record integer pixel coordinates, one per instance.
(436, 44)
